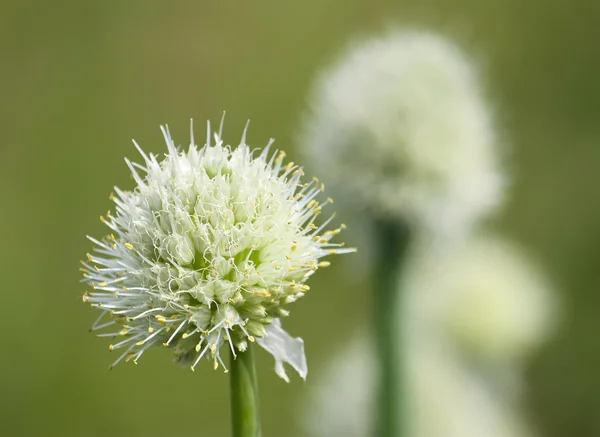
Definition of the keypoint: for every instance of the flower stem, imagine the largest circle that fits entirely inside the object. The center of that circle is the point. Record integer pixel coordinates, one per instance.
(393, 243)
(245, 416)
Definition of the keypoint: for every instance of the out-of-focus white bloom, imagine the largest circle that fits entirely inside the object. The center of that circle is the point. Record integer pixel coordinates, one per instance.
(487, 297)
(342, 401)
(207, 250)
(443, 398)
(485, 300)
(400, 125)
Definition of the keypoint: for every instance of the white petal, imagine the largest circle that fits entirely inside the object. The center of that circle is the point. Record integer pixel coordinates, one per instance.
(285, 349)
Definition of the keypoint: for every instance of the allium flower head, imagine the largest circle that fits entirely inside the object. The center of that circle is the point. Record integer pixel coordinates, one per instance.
(491, 299)
(400, 125)
(207, 252)
(443, 397)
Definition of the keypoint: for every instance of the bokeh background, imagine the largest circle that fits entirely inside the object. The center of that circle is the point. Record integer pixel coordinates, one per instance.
(79, 79)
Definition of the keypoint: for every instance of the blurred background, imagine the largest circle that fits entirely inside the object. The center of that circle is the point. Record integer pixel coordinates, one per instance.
(78, 80)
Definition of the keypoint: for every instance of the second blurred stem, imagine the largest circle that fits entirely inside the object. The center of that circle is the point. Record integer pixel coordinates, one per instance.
(393, 241)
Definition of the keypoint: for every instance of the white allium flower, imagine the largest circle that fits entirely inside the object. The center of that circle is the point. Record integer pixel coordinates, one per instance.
(206, 251)
(488, 297)
(443, 398)
(400, 125)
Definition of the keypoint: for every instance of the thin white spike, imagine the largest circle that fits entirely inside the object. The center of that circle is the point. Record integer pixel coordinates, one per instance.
(135, 174)
(221, 125)
(192, 132)
(207, 133)
(137, 146)
(243, 140)
(200, 356)
(168, 140)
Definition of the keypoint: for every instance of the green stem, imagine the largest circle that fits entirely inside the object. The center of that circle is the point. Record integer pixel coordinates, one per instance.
(393, 240)
(245, 417)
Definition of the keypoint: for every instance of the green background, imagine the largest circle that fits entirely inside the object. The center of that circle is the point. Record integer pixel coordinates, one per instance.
(79, 79)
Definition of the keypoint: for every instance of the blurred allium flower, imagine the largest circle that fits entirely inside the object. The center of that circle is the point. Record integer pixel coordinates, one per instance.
(471, 317)
(488, 297)
(401, 126)
(443, 398)
(207, 251)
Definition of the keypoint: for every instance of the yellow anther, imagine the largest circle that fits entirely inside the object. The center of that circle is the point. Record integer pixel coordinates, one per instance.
(185, 335)
(289, 258)
(89, 257)
(294, 247)
(129, 246)
(139, 343)
(115, 246)
(111, 237)
(280, 157)
(330, 200)
(167, 330)
(322, 187)
(150, 330)
(192, 367)
(323, 240)
(111, 347)
(198, 346)
(333, 252)
(289, 166)
(316, 179)
(103, 284)
(84, 298)
(250, 338)
(324, 264)
(116, 294)
(216, 365)
(111, 197)
(311, 204)
(93, 286)
(123, 332)
(213, 348)
(343, 226)
(102, 219)
(292, 269)
(166, 344)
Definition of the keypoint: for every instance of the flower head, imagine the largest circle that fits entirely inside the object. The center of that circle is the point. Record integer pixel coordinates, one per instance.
(208, 251)
(400, 125)
(490, 298)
